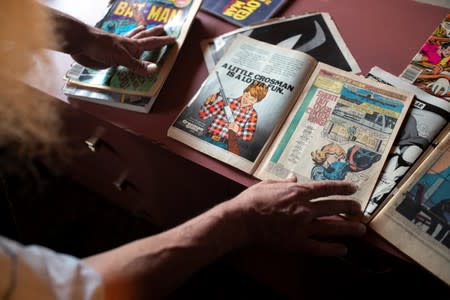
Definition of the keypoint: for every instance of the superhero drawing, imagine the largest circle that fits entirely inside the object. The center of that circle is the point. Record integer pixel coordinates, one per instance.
(332, 162)
(430, 68)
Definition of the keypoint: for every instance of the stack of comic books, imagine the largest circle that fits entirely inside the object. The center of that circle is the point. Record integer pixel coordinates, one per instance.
(117, 86)
(410, 205)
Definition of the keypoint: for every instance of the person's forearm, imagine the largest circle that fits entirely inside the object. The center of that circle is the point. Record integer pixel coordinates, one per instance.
(71, 33)
(153, 267)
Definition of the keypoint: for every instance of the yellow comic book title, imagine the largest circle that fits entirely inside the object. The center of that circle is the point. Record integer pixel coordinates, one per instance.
(241, 10)
(156, 13)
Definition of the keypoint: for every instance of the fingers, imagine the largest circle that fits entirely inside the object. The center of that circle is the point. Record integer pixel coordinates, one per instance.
(137, 66)
(336, 228)
(321, 248)
(333, 207)
(155, 31)
(325, 188)
(135, 31)
(153, 42)
(151, 38)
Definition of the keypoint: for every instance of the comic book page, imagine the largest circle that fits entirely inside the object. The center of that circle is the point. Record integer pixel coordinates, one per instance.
(241, 105)
(430, 68)
(417, 219)
(121, 18)
(315, 34)
(427, 117)
(342, 129)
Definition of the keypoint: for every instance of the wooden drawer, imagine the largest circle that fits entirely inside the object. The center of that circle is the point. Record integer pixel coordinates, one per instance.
(138, 174)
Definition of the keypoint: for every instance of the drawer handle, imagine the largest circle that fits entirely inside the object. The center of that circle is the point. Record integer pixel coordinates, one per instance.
(121, 182)
(95, 141)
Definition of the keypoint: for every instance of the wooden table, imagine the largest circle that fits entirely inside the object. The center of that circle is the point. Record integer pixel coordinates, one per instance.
(382, 33)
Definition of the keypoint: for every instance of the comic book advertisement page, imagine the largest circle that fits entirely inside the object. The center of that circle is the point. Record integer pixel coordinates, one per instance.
(417, 219)
(429, 69)
(315, 34)
(427, 117)
(122, 17)
(243, 12)
(342, 129)
(241, 105)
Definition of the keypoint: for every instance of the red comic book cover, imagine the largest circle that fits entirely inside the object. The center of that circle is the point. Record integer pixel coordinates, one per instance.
(430, 67)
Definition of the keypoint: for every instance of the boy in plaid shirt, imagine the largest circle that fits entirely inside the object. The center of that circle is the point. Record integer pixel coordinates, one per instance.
(223, 133)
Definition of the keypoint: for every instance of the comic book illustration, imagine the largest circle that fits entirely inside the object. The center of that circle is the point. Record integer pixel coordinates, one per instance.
(342, 129)
(243, 12)
(272, 112)
(123, 16)
(427, 117)
(240, 106)
(430, 68)
(417, 219)
(315, 34)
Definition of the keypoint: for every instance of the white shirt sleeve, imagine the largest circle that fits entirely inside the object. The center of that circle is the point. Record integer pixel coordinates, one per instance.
(35, 272)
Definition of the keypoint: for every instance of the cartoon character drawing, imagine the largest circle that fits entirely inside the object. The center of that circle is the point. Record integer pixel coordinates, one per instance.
(233, 119)
(406, 152)
(434, 57)
(352, 133)
(333, 163)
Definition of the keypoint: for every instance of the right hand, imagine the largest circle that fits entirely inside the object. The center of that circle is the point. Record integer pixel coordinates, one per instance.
(281, 215)
(101, 49)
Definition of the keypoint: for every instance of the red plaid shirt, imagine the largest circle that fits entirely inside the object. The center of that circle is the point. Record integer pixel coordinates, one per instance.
(245, 117)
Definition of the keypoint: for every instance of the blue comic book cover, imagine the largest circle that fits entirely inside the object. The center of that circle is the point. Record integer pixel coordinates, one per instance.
(124, 15)
(243, 12)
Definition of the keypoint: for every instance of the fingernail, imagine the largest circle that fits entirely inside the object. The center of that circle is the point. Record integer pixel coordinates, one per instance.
(291, 176)
(151, 68)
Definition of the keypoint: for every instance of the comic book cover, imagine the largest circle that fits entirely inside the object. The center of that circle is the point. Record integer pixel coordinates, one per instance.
(417, 219)
(121, 17)
(430, 68)
(315, 34)
(243, 12)
(427, 117)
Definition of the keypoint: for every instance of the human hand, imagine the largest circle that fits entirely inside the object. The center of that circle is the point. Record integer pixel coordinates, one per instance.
(440, 86)
(280, 214)
(102, 49)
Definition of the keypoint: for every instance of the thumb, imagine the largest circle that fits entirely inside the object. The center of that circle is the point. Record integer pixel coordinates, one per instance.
(141, 67)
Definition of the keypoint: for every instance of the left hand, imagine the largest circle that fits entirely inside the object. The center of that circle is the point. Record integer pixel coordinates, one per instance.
(102, 49)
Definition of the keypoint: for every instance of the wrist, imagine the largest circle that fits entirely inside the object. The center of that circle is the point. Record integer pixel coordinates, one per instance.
(234, 224)
(72, 35)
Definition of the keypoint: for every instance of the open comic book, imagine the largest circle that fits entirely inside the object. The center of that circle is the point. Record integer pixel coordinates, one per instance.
(417, 219)
(121, 17)
(427, 117)
(430, 67)
(271, 111)
(313, 33)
